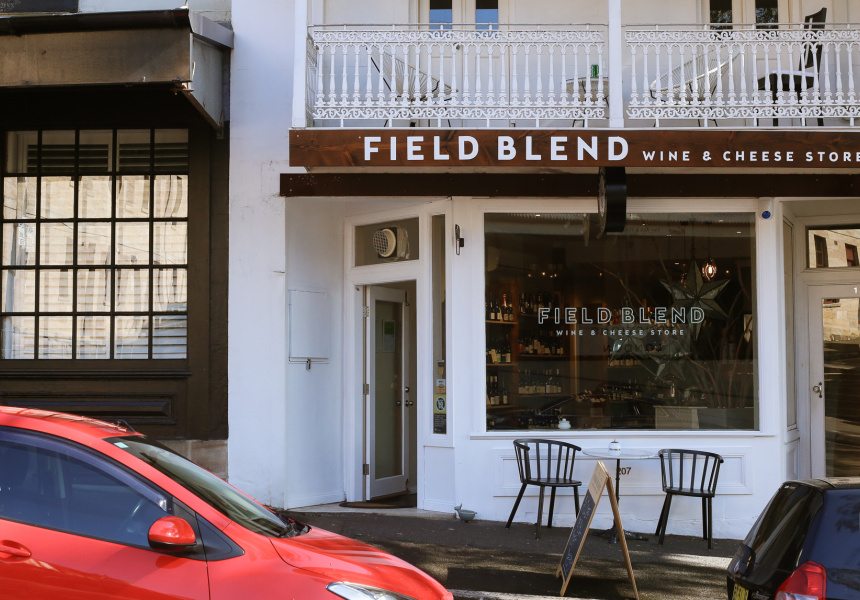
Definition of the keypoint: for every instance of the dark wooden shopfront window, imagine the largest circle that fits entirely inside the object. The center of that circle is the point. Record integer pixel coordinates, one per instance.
(113, 254)
(95, 245)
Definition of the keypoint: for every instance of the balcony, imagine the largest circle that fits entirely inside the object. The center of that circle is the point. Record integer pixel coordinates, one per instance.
(561, 76)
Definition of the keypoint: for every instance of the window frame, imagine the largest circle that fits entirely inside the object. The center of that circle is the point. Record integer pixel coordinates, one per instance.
(76, 175)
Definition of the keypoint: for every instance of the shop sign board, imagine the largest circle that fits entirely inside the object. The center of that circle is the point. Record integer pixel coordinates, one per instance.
(409, 148)
(600, 479)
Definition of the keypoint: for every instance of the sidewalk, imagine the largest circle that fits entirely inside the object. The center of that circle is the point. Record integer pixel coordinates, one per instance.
(483, 560)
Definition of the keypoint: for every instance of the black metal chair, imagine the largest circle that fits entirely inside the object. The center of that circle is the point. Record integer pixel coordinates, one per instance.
(689, 473)
(545, 463)
(806, 75)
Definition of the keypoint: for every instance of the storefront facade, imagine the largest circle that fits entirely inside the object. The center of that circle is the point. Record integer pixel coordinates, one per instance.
(476, 298)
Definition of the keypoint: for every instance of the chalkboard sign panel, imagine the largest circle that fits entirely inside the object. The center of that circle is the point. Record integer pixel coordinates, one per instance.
(600, 479)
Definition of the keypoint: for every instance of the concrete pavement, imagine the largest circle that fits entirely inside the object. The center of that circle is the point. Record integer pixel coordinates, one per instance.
(482, 560)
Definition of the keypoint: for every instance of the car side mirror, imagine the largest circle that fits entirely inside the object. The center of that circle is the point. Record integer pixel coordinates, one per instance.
(171, 534)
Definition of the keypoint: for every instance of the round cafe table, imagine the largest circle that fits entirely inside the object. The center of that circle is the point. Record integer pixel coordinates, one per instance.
(618, 456)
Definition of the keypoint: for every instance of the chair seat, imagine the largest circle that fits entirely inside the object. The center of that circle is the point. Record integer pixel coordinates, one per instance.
(784, 79)
(696, 492)
(553, 482)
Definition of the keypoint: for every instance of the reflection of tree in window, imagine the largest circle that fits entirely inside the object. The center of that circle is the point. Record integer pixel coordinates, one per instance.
(766, 14)
(720, 12)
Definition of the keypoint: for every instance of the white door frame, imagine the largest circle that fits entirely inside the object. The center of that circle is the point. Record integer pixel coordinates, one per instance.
(393, 484)
(354, 426)
(815, 294)
(806, 278)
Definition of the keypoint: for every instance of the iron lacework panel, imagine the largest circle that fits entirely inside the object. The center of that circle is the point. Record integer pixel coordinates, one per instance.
(94, 241)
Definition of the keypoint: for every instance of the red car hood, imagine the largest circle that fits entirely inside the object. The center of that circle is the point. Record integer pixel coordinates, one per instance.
(342, 559)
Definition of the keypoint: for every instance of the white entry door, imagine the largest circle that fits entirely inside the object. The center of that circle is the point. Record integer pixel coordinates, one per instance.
(834, 379)
(388, 392)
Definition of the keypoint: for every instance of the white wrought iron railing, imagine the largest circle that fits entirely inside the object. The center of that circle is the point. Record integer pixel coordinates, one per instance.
(400, 75)
(697, 72)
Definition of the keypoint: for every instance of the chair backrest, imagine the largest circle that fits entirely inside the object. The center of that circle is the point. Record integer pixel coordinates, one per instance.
(403, 78)
(691, 471)
(810, 59)
(539, 459)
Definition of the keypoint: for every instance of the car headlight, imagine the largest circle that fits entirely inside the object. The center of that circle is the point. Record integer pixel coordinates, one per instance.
(355, 591)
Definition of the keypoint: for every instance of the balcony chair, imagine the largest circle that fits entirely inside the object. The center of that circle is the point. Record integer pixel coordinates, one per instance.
(806, 76)
(689, 473)
(545, 463)
(694, 81)
(408, 82)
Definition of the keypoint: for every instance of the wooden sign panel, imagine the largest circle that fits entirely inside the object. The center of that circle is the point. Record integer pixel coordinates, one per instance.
(778, 149)
(600, 479)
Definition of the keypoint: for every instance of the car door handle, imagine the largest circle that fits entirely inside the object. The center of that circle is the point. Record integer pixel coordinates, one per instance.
(13, 549)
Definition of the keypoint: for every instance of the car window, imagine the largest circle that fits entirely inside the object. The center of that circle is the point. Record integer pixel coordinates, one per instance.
(778, 535)
(59, 485)
(213, 490)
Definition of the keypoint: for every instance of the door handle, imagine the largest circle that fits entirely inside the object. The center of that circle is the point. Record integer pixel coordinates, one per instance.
(817, 389)
(16, 550)
(409, 403)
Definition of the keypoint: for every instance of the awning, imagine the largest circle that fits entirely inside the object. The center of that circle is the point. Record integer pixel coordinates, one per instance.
(177, 48)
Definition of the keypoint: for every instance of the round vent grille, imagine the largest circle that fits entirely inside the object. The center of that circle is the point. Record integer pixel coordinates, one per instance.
(385, 242)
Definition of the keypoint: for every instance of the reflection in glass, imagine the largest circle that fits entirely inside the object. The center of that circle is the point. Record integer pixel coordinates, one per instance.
(132, 290)
(19, 244)
(55, 290)
(170, 290)
(94, 198)
(171, 196)
(132, 196)
(18, 291)
(57, 243)
(58, 198)
(169, 336)
(134, 150)
(171, 151)
(94, 290)
(132, 244)
(93, 337)
(17, 337)
(833, 247)
(841, 381)
(19, 197)
(131, 337)
(620, 331)
(55, 337)
(170, 243)
(94, 243)
(21, 145)
(388, 378)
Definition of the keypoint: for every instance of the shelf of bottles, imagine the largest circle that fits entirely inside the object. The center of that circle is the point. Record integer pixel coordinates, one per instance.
(527, 365)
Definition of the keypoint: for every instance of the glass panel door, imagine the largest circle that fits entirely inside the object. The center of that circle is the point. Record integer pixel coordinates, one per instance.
(386, 364)
(834, 380)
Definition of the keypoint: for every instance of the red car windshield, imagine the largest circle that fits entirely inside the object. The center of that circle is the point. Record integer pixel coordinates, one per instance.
(210, 488)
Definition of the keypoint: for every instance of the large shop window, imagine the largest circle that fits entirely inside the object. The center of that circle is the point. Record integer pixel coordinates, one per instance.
(94, 242)
(652, 328)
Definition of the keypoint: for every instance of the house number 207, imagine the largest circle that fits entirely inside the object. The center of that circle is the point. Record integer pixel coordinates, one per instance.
(625, 470)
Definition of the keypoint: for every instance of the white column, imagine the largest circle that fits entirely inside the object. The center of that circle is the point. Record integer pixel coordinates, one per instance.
(616, 103)
(300, 89)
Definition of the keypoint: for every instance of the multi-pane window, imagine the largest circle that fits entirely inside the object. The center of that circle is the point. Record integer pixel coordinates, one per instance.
(720, 12)
(766, 14)
(94, 243)
(487, 14)
(441, 14)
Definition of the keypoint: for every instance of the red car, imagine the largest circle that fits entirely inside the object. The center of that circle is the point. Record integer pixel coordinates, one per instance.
(92, 510)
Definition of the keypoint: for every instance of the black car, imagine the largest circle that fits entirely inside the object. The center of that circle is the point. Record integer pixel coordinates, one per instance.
(804, 546)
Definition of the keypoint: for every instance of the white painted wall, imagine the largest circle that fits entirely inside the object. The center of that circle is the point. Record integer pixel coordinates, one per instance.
(260, 120)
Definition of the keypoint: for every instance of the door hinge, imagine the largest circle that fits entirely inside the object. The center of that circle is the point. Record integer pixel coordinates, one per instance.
(365, 311)
(366, 389)
(365, 469)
